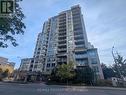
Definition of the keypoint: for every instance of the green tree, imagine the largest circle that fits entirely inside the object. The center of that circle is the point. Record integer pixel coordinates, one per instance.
(5, 73)
(11, 27)
(108, 72)
(1, 70)
(53, 76)
(65, 71)
(84, 75)
(120, 66)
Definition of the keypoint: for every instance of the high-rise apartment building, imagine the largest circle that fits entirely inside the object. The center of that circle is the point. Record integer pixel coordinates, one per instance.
(63, 39)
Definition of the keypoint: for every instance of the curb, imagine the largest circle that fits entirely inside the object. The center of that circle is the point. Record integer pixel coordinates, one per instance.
(102, 88)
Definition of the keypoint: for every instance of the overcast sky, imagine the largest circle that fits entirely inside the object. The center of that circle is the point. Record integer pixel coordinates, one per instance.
(105, 22)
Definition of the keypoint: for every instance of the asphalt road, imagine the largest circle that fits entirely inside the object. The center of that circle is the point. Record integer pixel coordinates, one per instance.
(42, 89)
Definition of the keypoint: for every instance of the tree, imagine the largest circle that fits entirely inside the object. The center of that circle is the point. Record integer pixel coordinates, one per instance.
(65, 71)
(1, 70)
(108, 72)
(119, 65)
(5, 73)
(53, 76)
(11, 27)
(85, 75)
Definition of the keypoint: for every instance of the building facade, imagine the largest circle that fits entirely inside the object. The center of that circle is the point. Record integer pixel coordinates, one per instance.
(6, 65)
(63, 39)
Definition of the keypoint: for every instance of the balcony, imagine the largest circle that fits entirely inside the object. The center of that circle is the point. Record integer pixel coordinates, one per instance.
(62, 23)
(76, 15)
(82, 62)
(62, 55)
(80, 40)
(62, 52)
(76, 12)
(62, 42)
(62, 26)
(77, 27)
(80, 56)
(78, 33)
(80, 46)
(62, 60)
(62, 45)
(62, 38)
(62, 19)
(62, 49)
(62, 34)
(62, 15)
(62, 29)
(78, 37)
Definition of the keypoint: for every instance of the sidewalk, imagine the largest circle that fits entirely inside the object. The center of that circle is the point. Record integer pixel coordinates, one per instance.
(96, 87)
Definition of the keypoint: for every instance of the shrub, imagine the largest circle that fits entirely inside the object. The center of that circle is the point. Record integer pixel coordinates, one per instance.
(102, 82)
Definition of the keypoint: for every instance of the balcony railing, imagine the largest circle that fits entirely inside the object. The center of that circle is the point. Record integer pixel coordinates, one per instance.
(81, 56)
(62, 34)
(62, 49)
(62, 38)
(62, 44)
(61, 60)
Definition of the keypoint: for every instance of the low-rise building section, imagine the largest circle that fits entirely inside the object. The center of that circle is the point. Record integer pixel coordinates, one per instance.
(6, 65)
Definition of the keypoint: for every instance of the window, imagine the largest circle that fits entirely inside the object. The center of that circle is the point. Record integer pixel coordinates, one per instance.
(93, 53)
(47, 69)
(80, 37)
(48, 59)
(38, 52)
(35, 66)
(36, 62)
(37, 56)
(53, 64)
(81, 55)
(95, 69)
(39, 48)
(79, 42)
(82, 61)
(30, 70)
(94, 61)
(31, 66)
(48, 65)
(32, 61)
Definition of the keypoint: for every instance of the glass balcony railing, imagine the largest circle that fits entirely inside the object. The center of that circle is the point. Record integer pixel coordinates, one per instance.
(61, 59)
(81, 56)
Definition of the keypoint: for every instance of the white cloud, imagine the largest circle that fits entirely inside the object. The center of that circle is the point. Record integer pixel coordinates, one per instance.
(105, 25)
